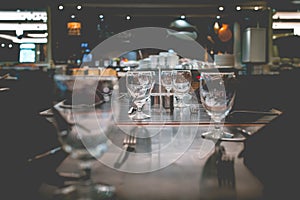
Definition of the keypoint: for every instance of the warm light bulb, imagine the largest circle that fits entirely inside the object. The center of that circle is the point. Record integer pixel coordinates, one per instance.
(216, 27)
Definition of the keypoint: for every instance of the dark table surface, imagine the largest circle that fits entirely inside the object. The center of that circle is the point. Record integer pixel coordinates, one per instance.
(171, 160)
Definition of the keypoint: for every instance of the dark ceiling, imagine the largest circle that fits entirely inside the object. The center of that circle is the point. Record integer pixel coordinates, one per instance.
(200, 13)
(203, 5)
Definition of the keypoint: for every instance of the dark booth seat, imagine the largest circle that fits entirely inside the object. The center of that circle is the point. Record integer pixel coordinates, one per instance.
(271, 154)
(24, 134)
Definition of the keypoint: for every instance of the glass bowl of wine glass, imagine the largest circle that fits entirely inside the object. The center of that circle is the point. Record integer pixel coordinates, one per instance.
(139, 85)
(93, 90)
(217, 94)
(181, 81)
(83, 134)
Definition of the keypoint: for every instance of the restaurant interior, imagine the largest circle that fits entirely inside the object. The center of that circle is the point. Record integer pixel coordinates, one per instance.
(76, 125)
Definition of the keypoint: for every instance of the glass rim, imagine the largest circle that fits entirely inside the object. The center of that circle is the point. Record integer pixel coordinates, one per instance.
(179, 70)
(148, 71)
(216, 73)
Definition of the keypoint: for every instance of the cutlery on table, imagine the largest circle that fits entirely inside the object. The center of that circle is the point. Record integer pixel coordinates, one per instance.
(129, 143)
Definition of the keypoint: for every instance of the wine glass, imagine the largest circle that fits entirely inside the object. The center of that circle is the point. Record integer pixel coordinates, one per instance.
(181, 81)
(166, 80)
(82, 133)
(217, 94)
(139, 85)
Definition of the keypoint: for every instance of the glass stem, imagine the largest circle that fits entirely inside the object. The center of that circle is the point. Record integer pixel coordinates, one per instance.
(139, 108)
(218, 129)
(180, 100)
(218, 125)
(168, 93)
(86, 169)
(87, 175)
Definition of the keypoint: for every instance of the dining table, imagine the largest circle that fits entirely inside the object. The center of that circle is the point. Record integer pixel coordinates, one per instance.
(169, 158)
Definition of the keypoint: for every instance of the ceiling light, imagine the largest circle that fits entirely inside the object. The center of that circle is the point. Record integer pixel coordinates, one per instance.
(256, 8)
(79, 7)
(60, 7)
(19, 31)
(128, 17)
(286, 15)
(37, 35)
(101, 16)
(22, 40)
(182, 17)
(287, 25)
(216, 27)
(221, 8)
(238, 8)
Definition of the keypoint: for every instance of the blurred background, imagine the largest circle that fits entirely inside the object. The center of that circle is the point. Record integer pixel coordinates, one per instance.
(49, 33)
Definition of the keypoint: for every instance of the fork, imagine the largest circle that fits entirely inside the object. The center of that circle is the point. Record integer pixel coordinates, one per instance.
(129, 143)
(225, 170)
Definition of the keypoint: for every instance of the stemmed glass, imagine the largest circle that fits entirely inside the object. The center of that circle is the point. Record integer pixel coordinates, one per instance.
(181, 81)
(217, 94)
(166, 80)
(82, 133)
(139, 85)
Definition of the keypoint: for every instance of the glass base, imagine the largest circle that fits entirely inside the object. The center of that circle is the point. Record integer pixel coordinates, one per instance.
(216, 135)
(139, 116)
(86, 190)
(182, 105)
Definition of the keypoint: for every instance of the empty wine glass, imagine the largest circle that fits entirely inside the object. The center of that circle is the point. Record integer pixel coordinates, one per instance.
(166, 80)
(181, 81)
(217, 94)
(82, 133)
(139, 85)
